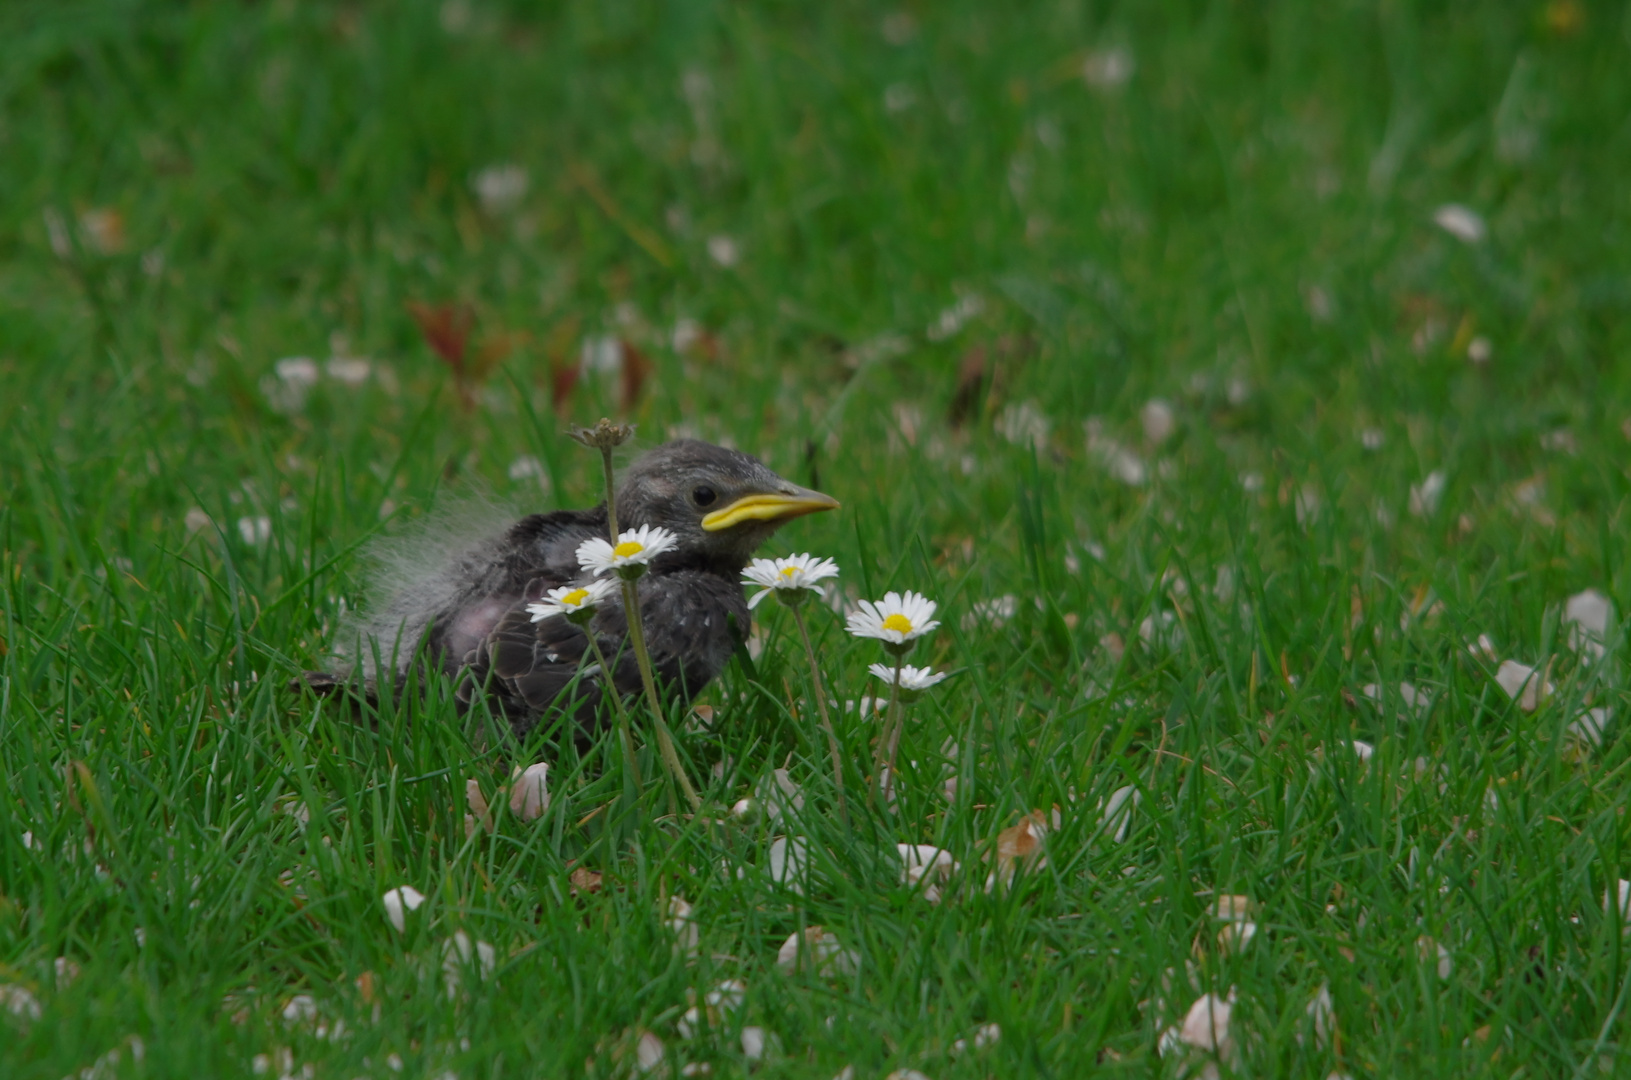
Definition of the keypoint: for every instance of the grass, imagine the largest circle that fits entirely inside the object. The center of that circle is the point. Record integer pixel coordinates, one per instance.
(1243, 227)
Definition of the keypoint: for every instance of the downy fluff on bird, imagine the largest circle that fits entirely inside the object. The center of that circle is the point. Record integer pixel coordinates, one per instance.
(470, 608)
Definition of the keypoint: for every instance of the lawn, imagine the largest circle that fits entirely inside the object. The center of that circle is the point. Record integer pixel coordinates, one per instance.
(1248, 384)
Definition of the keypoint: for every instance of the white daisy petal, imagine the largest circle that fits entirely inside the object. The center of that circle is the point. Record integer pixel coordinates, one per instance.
(894, 620)
(915, 679)
(792, 578)
(635, 549)
(572, 600)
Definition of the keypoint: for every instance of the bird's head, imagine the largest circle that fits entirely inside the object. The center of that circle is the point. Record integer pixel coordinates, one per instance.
(721, 503)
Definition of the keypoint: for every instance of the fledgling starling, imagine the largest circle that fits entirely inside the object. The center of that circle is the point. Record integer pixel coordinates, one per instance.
(472, 613)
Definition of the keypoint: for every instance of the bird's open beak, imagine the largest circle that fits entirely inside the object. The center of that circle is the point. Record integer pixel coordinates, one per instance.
(791, 502)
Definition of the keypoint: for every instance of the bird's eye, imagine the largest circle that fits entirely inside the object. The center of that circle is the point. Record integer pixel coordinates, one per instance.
(705, 496)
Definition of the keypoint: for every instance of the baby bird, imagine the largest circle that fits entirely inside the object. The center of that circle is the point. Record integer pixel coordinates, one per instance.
(472, 612)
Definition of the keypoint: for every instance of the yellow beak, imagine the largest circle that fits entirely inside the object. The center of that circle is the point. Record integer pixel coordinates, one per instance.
(779, 506)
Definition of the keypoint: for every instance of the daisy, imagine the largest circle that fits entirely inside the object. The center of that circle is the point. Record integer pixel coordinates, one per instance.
(895, 620)
(576, 602)
(792, 579)
(635, 549)
(913, 680)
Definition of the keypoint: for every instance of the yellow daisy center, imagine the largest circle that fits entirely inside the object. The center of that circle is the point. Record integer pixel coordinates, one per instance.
(575, 597)
(788, 572)
(899, 623)
(628, 549)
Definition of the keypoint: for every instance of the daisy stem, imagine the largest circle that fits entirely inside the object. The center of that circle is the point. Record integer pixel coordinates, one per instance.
(623, 728)
(611, 493)
(890, 740)
(826, 720)
(665, 744)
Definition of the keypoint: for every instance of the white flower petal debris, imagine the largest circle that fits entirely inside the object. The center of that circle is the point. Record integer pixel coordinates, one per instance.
(789, 862)
(1624, 903)
(912, 679)
(682, 922)
(529, 791)
(1588, 615)
(635, 550)
(19, 1001)
(717, 1004)
(754, 1042)
(1239, 929)
(1460, 222)
(927, 866)
(1523, 684)
(1321, 1012)
(1205, 1030)
(1431, 952)
(792, 579)
(398, 902)
(500, 188)
(480, 814)
(1425, 496)
(985, 1035)
(648, 1052)
(572, 600)
(896, 619)
(1158, 420)
(1416, 702)
(1020, 845)
(458, 952)
(1116, 813)
(816, 947)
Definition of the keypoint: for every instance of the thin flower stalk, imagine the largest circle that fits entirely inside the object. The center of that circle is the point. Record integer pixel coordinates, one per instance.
(826, 719)
(625, 730)
(665, 744)
(889, 739)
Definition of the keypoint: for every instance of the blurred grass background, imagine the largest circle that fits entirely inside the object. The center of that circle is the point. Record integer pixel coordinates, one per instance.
(935, 259)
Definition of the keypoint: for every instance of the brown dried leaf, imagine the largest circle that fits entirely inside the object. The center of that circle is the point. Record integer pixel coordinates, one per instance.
(584, 881)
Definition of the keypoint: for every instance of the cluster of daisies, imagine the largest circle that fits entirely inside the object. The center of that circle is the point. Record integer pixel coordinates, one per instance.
(897, 621)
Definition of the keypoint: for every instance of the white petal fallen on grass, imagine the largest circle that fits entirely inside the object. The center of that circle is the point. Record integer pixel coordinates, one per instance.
(789, 862)
(1460, 222)
(1321, 1012)
(457, 953)
(1019, 845)
(1023, 423)
(1624, 889)
(1425, 496)
(1158, 421)
(300, 1009)
(255, 531)
(817, 948)
(1587, 731)
(907, 1074)
(19, 1001)
(1416, 702)
(1116, 814)
(1429, 951)
(648, 1052)
(529, 791)
(985, 1035)
(1588, 615)
(480, 813)
(1483, 649)
(682, 922)
(500, 188)
(66, 972)
(1109, 69)
(1206, 1025)
(398, 902)
(1523, 684)
(724, 250)
(926, 865)
(1235, 936)
(995, 612)
(778, 794)
(755, 1042)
